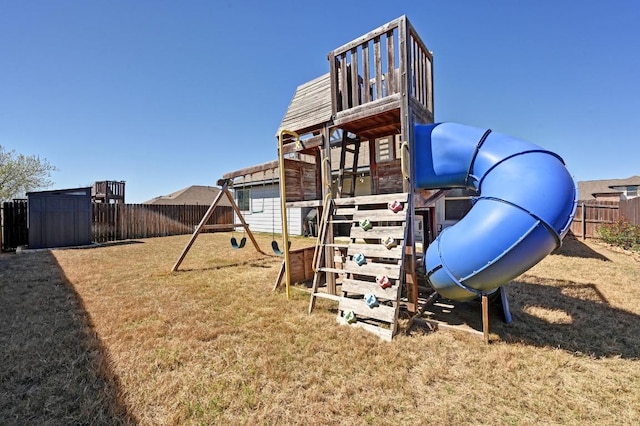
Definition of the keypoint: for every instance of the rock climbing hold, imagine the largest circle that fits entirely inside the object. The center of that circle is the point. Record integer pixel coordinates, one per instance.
(395, 206)
(389, 242)
(371, 300)
(383, 281)
(366, 224)
(360, 259)
(350, 317)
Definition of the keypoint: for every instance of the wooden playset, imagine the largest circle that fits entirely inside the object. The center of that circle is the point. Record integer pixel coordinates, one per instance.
(377, 87)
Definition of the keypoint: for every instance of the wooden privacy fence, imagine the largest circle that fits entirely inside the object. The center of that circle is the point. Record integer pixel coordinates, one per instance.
(592, 214)
(112, 222)
(14, 224)
(630, 210)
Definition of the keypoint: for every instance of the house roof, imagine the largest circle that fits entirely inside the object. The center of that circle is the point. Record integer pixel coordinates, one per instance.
(587, 189)
(194, 195)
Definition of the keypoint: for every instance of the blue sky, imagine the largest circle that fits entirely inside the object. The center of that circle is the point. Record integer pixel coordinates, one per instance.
(166, 94)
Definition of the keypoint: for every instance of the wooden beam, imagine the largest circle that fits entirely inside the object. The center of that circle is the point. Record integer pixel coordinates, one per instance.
(485, 318)
(355, 84)
(391, 65)
(369, 36)
(271, 165)
(306, 145)
(344, 82)
(250, 170)
(366, 74)
(221, 226)
(335, 87)
(377, 60)
(372, 108)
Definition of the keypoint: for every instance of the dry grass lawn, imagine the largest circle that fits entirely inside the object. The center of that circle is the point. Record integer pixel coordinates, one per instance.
(108, 335)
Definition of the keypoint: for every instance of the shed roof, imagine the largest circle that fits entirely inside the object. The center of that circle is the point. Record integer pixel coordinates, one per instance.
(68, 191)
(310, 106)
(587, 188)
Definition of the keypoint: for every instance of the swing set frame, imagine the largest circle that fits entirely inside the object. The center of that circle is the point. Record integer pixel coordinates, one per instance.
(224, 191)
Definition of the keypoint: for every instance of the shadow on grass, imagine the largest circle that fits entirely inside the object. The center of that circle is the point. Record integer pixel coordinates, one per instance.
(552, 313)
(104, 244)
(570, 316)
(55, 369)
(265, 262)
(119, 243)
(571, 247)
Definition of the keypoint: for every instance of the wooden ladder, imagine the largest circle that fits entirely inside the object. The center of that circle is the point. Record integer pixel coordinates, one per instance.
(359, 281)
(352, 146)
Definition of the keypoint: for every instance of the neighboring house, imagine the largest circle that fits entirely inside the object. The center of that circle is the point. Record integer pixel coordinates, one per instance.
(609, 189)
(191, 195)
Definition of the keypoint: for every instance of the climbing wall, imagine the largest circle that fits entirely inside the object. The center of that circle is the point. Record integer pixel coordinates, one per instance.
(372, 261)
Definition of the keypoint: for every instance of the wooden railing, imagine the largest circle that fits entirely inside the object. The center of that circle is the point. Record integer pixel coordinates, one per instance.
(390, 60)
(109, 189)
(420, 71)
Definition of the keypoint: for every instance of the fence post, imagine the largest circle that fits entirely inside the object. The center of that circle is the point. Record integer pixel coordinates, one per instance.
(584, 223)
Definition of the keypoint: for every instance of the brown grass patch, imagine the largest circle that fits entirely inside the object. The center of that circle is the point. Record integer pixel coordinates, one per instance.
(211, 344)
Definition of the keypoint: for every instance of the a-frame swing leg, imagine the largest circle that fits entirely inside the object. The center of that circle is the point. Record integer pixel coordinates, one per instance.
(199, 228)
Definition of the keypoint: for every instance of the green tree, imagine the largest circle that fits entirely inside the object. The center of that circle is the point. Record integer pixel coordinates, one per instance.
(22, 173)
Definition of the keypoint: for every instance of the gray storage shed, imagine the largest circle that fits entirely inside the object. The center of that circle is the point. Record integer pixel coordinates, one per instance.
(59, 218)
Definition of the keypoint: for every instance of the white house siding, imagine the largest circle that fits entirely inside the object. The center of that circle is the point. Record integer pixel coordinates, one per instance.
(264, 215)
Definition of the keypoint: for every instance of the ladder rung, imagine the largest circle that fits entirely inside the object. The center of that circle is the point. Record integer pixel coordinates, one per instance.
(332, 270)
(327, 296)
(336, 245)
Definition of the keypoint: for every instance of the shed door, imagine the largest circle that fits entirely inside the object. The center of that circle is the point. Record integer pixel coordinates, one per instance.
(63, 220)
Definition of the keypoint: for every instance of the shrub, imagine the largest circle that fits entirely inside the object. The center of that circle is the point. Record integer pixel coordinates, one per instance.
(621, 233)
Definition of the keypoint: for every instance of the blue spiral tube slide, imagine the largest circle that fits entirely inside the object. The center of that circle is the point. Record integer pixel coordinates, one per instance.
(526, 202)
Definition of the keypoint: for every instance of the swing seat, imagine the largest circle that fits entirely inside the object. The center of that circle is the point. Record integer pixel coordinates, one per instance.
(235, 245)
(276, 249)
